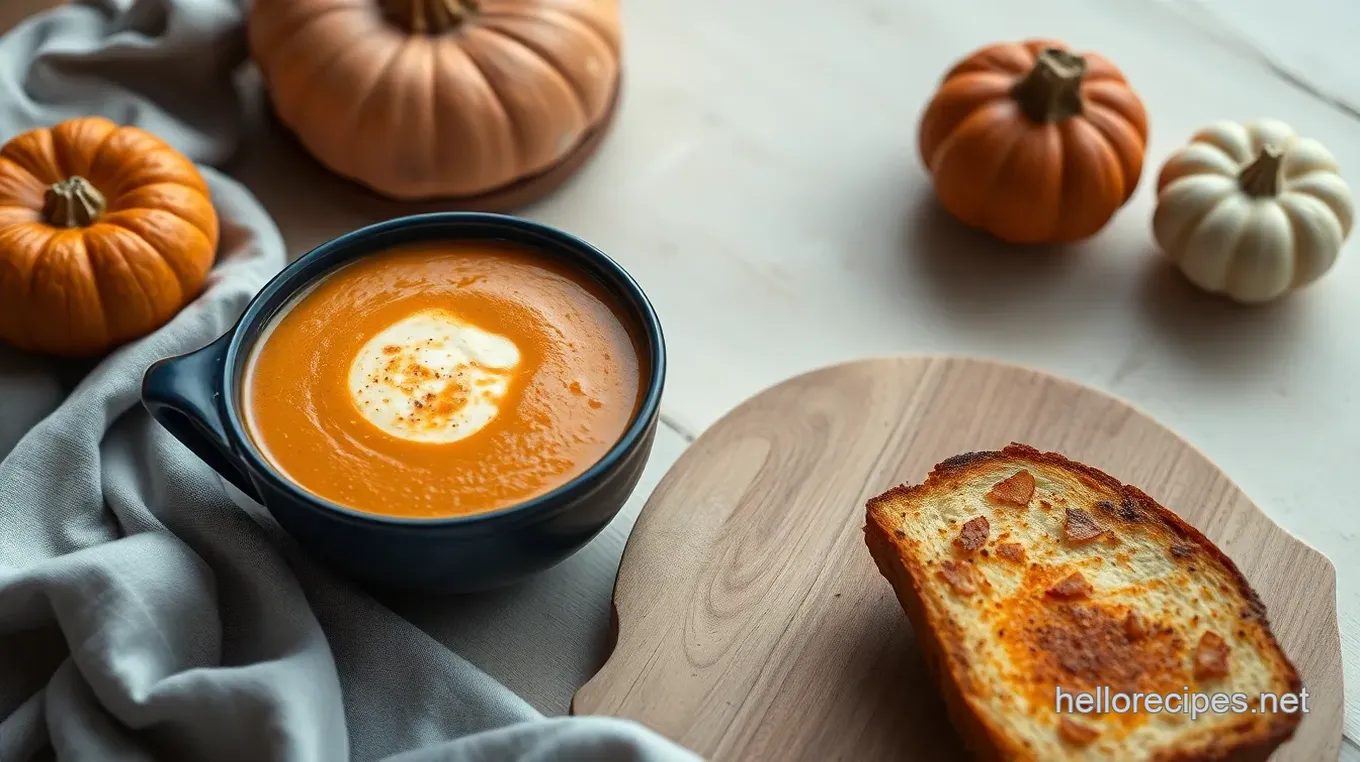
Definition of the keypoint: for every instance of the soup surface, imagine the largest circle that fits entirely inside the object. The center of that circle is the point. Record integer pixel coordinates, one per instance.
(443, 379)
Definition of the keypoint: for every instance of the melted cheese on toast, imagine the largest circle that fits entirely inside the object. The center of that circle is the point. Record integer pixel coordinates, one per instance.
(1023, 572)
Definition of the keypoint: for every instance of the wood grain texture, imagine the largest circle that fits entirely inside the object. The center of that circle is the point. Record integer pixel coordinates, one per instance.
(752, 624)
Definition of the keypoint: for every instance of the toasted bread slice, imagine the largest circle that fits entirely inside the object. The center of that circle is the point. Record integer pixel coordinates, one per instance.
(1023, 572)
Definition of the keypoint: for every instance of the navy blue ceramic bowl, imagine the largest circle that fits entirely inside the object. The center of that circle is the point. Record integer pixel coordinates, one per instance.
(197, 398)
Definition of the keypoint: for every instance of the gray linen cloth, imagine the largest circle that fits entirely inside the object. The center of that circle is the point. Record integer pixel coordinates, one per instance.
(143, 615)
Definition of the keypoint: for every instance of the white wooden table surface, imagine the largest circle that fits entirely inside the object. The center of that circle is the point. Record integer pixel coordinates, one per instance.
(762, 185)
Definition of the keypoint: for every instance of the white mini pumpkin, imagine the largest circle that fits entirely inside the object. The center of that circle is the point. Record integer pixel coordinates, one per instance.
(1252, 211)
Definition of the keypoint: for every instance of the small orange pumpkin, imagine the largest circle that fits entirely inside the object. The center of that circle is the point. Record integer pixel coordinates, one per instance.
(1033, 143)
(421, 99)
(105, 233)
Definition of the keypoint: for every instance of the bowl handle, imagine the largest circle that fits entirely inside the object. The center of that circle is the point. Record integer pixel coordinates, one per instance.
(180, 393)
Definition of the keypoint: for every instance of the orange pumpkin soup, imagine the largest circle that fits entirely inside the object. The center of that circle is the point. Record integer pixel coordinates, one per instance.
(442, 380)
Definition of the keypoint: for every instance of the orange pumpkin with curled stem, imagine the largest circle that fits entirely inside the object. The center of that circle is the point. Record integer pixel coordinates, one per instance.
(106, 232)
(1034, 143)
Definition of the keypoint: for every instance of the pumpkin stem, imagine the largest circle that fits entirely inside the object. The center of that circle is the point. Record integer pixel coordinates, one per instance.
(429, 16)
(1262, 176)
(1051, 91)
(73, 203)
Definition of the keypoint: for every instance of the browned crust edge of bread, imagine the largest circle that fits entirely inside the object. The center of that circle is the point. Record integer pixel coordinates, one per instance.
(987, 743)
(969, 724)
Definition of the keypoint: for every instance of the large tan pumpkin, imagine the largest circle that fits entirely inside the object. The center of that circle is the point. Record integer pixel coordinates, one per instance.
(421, 99)
(105, 233)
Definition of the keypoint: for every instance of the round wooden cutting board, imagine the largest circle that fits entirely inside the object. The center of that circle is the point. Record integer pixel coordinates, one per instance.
(752, 624)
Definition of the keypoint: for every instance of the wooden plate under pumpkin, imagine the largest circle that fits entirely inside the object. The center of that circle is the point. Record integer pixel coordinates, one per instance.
(752, 624)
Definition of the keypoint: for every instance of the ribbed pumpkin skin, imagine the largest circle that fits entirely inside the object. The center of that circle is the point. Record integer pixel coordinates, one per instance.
(1024, 181)
(504, 96)
(79, 291)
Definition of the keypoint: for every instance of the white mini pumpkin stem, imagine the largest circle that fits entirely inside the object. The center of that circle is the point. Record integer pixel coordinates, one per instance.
(1051, 91)
(429, 16)
(1262, 177)
(73, 203)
